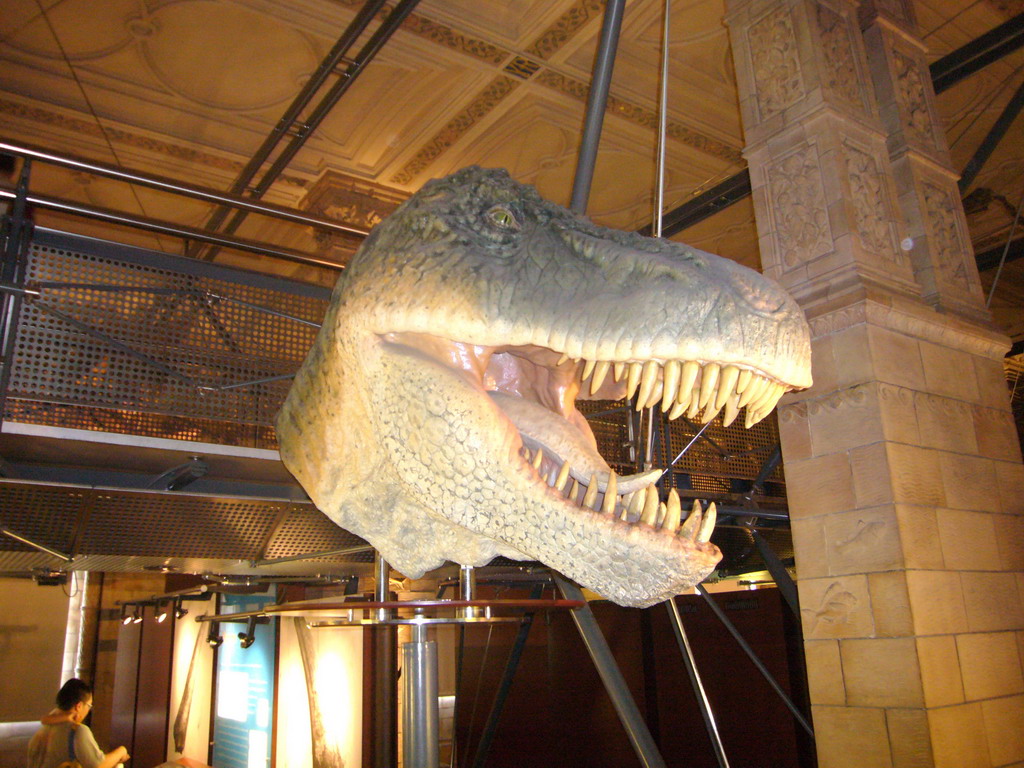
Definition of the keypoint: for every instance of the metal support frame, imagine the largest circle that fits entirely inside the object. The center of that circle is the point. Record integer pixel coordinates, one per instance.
(636, 729)
(312, 121)
(491, 726)
(698, 686)
(420, 734)
(704, 205)
(165, 184)
(992, 138)
(385, 680)
(716, 608)
(596, 101)
(977, 54)
(168, 228)
(35, 545)
(17, 236)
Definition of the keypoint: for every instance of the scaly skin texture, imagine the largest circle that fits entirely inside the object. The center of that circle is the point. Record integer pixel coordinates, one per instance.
(455, 345)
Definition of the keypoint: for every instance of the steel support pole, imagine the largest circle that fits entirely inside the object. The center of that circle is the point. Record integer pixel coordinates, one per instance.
(491, 726)
(781, 577)
(384, 727)
(18, 231)
(695, 681)
(717, 609)
(420, 736)
(596, 101)
(629, 714)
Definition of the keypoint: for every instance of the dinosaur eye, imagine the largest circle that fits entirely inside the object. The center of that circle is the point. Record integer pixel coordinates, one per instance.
(502, 217)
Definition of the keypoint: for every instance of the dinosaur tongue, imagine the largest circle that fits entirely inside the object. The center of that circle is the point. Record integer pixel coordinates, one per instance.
(565, 441)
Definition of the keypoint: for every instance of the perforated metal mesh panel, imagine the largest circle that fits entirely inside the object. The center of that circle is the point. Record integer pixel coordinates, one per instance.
(178, 526)
(44, 514)
(97, 522)
(66, 373)
(709, 465)
(307, 530)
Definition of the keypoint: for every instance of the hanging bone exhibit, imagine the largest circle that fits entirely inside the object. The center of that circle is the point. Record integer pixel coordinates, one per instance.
(435, 414)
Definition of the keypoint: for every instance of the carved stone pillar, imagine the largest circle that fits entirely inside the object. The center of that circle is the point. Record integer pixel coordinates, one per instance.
(902, 462)
(938, 242)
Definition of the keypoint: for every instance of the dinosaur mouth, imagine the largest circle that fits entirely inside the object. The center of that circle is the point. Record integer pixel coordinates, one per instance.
(535, 389)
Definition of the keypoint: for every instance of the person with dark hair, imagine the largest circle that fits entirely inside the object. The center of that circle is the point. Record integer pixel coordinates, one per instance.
(64, 740)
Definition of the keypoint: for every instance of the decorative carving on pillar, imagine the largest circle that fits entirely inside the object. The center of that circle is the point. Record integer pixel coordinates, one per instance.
(948, 243)
(777, 74)
(913, 100)
(835, 608)
(838, 55)
(871, 204)
(797, 196)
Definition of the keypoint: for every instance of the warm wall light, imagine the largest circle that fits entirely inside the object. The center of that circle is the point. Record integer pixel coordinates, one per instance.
(213, 637)
(161, 612)
(179, 609)
(126, 618)
(248, 637)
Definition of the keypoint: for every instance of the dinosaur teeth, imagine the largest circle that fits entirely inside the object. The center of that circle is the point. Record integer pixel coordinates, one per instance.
(600, 372)
(643, 505)
(610, 494)
(700, 392)
(707, 527)
(673, 512)
(649, 513)
(563, 477)
(648, 379)
(689, 529)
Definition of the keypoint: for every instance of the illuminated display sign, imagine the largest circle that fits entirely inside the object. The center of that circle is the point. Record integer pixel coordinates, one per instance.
(244, 702)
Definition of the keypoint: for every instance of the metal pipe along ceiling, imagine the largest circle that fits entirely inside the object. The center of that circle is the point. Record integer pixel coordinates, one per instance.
(301, 130)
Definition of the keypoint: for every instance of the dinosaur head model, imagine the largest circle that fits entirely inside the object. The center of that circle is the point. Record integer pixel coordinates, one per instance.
(435, 414)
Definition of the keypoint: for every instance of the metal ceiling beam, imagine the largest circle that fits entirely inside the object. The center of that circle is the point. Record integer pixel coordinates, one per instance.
(977, 54)
(300, 102)
(989, 259)
(169, 228)
(704, 205)
(308, 126)
(991, 140)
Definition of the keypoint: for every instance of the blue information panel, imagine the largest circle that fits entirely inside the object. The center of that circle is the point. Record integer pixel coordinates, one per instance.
(243, 714)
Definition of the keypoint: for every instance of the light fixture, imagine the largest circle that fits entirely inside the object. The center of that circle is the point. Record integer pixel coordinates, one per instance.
(137, 614)
(213, 637)
(179, 609)
(161, 612)
(248, 637)
(126, 618)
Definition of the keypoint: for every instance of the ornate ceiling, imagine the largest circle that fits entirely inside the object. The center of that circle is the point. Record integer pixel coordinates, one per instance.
(191, 88)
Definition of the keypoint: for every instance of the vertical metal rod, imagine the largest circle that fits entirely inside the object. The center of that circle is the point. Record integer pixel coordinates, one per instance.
(420, 739)
(596, 102)
(717, 609)
(12, 269)
(491, 726)
(629, 714)
(659, 186)
(385, 676)
(381, 573)
(698, 686)
(467, 590)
